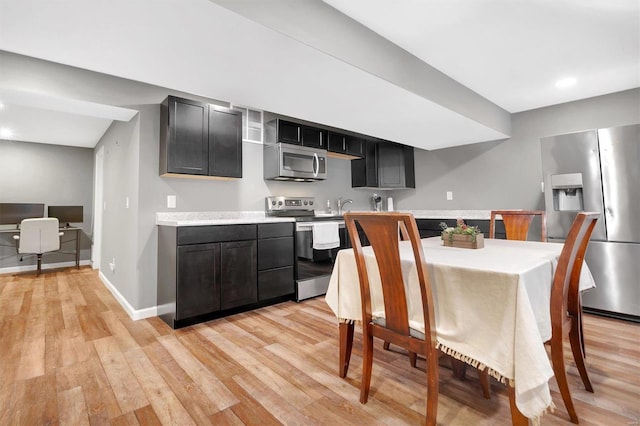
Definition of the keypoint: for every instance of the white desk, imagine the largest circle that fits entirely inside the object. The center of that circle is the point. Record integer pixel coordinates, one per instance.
(492, 307)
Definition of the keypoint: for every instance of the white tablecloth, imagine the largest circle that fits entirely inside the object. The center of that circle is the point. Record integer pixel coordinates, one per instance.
(492, 306)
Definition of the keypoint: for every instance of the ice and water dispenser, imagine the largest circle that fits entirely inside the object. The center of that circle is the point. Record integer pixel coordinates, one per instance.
(567, 192)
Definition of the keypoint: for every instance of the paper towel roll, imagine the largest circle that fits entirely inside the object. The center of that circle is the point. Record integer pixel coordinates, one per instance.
(390, 204)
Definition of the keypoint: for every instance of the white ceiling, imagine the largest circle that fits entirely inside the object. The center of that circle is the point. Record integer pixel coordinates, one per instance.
(302, 58)
(513, 52)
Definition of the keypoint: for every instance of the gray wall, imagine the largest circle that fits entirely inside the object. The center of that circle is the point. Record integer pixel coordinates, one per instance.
(131, 169)
(508, 174)
(49, 174)
(121, 145)
(505, 174)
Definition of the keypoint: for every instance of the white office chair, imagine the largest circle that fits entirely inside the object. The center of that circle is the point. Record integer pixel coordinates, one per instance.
(38, 236)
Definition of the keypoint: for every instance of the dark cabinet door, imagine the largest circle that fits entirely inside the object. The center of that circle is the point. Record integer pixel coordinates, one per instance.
(390, 165)
(225, 142)
(364, 172)
(198, 280)
(187, 145)
(336, 142)
(354, 146)
(289, 132)
(314, 137)
(239, 271)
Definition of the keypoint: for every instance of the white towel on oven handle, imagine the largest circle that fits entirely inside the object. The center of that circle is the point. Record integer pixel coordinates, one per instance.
(325, 235)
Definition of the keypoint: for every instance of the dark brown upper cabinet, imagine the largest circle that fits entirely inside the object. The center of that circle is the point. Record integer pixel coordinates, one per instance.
(345, 146)
(284, 131)
(197, 138)
(386, 165)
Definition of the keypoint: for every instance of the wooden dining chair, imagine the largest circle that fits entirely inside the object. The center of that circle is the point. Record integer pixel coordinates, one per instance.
(517, 223)
(566, 308)
(382, 231)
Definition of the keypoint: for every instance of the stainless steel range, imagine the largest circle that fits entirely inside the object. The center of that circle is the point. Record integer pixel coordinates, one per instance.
(313, 267)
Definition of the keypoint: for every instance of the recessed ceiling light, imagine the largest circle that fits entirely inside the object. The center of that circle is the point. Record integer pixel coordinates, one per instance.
(6, 133)
(566, 82)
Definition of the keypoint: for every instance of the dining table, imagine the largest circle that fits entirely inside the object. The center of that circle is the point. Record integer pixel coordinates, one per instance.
(492, 308)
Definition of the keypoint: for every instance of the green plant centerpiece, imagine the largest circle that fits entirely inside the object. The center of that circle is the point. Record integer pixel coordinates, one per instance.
(462, 235)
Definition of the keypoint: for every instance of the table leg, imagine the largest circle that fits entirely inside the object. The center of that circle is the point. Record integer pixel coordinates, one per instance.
(78, 248)
(517, 418)
(346, 344)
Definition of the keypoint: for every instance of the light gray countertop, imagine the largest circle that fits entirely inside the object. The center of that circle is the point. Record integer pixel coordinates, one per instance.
(451, 214)
(239, 217)
(215, 218)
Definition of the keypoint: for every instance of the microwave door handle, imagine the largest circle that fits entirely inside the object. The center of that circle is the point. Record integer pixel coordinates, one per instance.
(316, 165)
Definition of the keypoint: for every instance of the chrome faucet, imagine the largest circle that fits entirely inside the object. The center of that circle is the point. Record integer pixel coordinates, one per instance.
(342, 203)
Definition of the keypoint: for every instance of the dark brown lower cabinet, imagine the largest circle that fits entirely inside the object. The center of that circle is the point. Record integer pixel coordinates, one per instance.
(432, 228)
(205, 272)
(275, 260)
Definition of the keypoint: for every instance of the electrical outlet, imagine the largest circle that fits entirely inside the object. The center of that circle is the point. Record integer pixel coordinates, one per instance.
(126, 202)
(449, 195)
(171, 201)
(112, 265)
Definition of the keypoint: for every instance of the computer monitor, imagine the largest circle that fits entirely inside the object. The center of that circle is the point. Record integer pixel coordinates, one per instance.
(13, 213)
(66, 214)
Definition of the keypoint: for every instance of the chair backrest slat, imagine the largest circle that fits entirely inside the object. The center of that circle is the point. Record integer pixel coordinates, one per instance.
(517, 223)
(384, 232)
(565, 293)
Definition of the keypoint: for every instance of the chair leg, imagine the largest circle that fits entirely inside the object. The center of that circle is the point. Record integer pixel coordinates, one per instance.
(578, 354)
(483, 376)
(39, 263)
(413, 357)
(346, 344)
(559, 370)
(432, 387)
(459, 368)
(367, 364)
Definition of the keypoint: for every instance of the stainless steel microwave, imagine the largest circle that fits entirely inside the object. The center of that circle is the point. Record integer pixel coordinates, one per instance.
(292, 162)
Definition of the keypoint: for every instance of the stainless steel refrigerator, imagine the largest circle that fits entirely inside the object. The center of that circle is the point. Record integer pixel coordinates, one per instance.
(599, 170)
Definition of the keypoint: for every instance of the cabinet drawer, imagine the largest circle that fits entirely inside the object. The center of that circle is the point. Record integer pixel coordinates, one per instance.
(275, 283)
(272, 230)
(275, 253)
(215, 233)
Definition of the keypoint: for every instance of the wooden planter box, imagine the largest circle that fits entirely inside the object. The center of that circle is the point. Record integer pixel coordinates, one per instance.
(463, 241)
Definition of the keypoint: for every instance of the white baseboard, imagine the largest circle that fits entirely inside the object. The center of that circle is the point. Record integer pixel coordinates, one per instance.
(135, 314)
(44, 267)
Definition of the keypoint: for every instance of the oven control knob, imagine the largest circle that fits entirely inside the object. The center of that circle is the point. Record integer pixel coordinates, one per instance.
(273, 203)
(310, 203)
(305, 203)
(279, 203)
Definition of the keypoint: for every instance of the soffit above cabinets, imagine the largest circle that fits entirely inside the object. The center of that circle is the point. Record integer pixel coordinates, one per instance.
(430, 74)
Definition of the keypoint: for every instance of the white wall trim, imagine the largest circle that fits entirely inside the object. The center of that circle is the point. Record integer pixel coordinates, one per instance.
(135, 314)
(45, 266)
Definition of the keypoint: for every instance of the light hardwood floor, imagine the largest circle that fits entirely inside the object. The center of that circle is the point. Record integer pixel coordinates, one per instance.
(69, 354)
